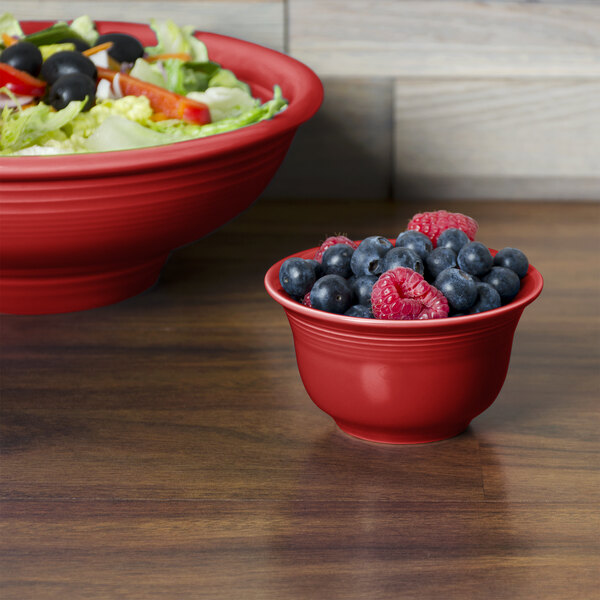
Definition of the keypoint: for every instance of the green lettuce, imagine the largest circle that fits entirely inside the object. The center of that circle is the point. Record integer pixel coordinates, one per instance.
(25, 127)
(174, 39)
(10, 26)
(85, 28)
(119, 133)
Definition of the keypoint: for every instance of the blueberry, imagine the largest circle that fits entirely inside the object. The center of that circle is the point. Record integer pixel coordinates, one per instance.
(475, 258)
(415, 240)
(297, 276)
(336, 260)
(440, 259)
(487, 298)
(459, 288)
(452, 238)
(318, 267)
(513, 259)
(331, 293)
(505, 281)
(359, 310)
(403, 257)
(363, 286)
(368, 257)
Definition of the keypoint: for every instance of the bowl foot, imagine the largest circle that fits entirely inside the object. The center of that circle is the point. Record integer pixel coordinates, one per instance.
(402, 436)
(69, 290)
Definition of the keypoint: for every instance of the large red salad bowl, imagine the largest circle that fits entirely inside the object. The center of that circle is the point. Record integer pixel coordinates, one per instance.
(86, 230)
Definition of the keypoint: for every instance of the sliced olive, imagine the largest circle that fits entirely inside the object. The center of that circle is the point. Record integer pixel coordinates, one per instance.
(73, 86)
(65, 63)
(80, 45)
(125, 47)
(24, 56)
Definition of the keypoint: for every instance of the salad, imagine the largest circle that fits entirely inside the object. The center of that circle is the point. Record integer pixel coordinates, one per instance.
(67, 89)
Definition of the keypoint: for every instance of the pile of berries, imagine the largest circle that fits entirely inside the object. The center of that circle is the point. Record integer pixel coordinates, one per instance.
(434, 269)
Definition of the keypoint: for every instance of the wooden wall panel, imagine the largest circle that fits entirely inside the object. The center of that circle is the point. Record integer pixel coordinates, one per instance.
(429, 98)
(257, 21)
(446, 38)
(497, 138)
(345, 151)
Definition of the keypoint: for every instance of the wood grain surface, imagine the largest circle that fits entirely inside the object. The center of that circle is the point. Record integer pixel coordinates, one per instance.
(165, 447)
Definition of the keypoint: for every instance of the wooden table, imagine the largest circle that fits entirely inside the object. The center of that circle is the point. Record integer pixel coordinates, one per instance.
(165, 447)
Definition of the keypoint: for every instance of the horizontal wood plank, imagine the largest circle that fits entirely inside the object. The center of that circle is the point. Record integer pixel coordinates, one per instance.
(408, 38)
(295, 550)
(259, 21)
(489, 138)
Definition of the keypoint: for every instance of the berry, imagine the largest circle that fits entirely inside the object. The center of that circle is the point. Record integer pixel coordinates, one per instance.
(432, 224)
(452, 238)
(403, 294)
(505, 281)
(403, 257)
(513, 259)
(332, 294)
(336, 260)
(319, 272)
(416, 241)
(363, 287)
(306, 300)
(368, 257)
(332, 241)
(459, 288)
(359, 310)
(438, 260)
(297, 276)
(487, 299)
(475, 258)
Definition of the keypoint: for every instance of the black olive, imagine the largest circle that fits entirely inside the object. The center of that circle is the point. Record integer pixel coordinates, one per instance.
(24, 56)
(73, 86)
(80, 45)
(66, 62)
(125, 47)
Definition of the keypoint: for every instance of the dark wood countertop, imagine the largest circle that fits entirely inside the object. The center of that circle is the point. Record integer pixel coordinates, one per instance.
(165, 447)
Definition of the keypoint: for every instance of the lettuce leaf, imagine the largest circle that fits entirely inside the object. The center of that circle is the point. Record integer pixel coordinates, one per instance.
(173, 39)
(85, 28)
(225, 102)
(10, 26)
(120, 133)
(24, 127)
(226, 78)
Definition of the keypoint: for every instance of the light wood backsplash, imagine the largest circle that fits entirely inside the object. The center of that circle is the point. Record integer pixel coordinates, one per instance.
(428, 99)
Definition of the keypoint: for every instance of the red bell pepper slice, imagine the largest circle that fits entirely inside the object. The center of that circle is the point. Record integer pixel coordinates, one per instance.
(172, 105)
(20, 82)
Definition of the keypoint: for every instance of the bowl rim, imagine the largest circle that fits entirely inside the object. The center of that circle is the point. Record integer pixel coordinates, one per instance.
(516, 306)
(309, 97)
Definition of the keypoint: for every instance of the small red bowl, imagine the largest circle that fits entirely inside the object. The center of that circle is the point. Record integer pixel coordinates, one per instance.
(85, 230)
(403, 382)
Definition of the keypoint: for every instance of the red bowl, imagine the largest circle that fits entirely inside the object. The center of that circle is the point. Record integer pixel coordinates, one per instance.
(86, 230)
(403, 382)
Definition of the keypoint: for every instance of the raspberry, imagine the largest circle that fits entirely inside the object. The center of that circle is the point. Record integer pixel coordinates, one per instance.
(432, 224)
(306, 300)
(332, 241)
(403, 294)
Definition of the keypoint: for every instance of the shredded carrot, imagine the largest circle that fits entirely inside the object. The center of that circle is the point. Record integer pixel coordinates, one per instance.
(181, 55)
(98, 48)
(159, 116)
(8, 40)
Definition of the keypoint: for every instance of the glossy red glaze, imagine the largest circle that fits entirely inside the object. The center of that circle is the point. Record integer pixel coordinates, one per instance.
(403, 382)
(86, 230)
